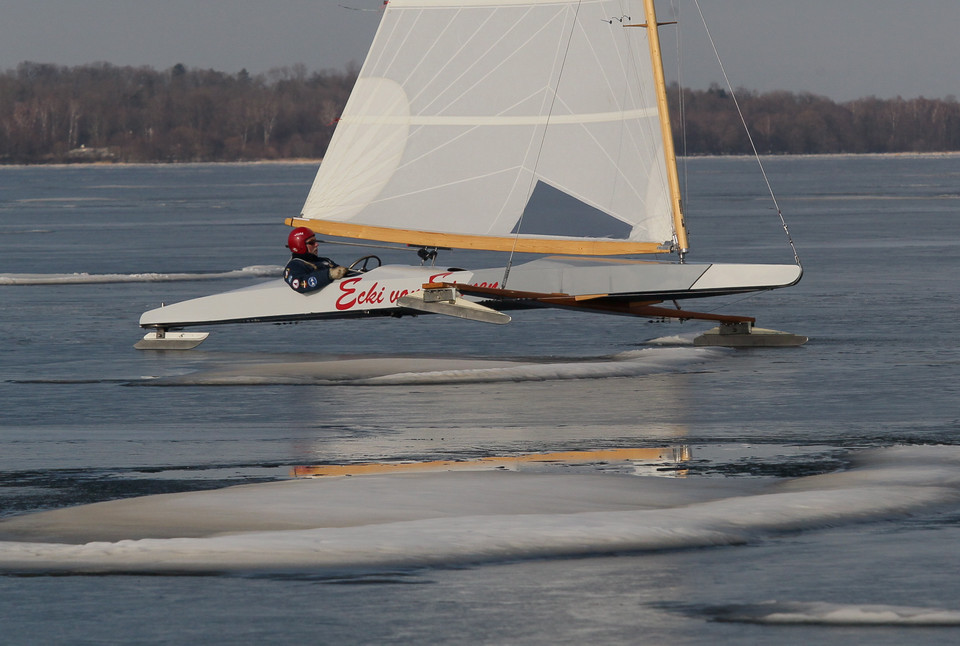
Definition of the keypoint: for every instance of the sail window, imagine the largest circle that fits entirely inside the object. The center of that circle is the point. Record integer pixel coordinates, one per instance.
(552, 212)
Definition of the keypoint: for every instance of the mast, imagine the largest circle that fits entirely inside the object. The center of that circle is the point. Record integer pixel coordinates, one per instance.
(673, 179)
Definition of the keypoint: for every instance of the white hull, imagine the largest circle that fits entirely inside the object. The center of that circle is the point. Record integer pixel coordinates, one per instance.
(376, 292)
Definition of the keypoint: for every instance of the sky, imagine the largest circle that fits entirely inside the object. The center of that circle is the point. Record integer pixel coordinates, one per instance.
(842, 49)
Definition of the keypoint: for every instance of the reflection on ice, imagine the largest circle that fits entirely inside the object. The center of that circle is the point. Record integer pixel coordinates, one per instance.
(421, 519)
(638, 459)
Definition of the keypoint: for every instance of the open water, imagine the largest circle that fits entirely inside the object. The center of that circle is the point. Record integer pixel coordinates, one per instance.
(792, 496)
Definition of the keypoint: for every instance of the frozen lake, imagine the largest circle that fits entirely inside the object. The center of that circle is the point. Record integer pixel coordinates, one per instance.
(815, 487)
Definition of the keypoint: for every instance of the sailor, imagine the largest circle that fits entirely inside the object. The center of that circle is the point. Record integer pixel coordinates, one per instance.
(307, 272)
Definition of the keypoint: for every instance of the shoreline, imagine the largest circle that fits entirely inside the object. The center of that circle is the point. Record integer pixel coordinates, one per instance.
(106, 164)
(303, 161)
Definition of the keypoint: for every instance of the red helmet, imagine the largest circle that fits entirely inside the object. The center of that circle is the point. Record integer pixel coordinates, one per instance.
(297, 240)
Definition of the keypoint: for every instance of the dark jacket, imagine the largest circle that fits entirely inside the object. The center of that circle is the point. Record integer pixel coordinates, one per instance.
(308, 273)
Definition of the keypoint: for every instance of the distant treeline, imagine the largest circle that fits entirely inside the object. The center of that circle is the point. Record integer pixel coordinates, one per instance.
(102, 112)
(806, 124)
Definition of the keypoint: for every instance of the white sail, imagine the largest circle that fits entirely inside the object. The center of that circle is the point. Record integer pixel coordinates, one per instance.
(492, 121)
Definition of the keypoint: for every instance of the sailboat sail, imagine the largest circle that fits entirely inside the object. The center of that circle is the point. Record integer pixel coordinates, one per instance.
(501, 124)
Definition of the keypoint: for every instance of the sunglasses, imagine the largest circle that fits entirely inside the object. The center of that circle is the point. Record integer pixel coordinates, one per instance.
(310, 242)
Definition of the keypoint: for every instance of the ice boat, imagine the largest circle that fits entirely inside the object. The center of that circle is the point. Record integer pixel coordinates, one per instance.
(520, 126)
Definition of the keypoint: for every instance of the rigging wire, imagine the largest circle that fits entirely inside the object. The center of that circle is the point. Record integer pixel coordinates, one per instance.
(753, 146)
(543, 138)
(681, 107)
(681, 104)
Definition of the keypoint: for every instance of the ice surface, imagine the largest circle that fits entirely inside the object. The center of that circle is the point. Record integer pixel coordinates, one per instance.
(835, 614)
(393, 371)
(685, 338)
(627, 364)
(86, 279)
(456, 517)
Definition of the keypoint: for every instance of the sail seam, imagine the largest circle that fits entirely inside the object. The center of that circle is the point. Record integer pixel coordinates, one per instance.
(522, 120)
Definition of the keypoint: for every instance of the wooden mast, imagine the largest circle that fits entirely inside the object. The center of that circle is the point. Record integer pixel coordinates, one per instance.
(673, 179)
